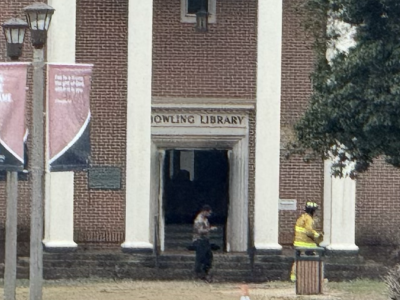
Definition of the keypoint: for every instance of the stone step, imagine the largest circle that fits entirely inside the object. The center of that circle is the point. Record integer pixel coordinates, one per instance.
(235, 267)
(143, 274)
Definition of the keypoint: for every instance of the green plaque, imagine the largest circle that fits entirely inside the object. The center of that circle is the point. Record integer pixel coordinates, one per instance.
(105, 178)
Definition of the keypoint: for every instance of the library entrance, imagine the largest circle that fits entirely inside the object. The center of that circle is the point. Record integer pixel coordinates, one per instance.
(199, 158)
(193, 178)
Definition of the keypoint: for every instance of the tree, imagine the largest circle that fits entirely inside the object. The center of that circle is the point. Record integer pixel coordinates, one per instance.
(354, 109)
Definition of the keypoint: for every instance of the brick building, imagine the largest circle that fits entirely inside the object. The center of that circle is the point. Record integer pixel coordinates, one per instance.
(181, 118)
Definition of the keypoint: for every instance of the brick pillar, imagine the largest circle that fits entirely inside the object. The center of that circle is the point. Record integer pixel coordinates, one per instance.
(266, 226)
(138, 131)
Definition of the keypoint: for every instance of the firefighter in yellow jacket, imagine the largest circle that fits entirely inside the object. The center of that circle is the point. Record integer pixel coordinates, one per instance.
(305, 235)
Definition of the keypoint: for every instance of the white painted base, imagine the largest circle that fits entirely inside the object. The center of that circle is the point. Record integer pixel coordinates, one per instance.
(267, 246)
(59, 209)
(60, 244)
(324, 244)
(342, 247)
(136, 245)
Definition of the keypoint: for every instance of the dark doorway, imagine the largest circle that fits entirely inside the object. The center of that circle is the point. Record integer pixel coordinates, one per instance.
(187, 189)
(193, 178)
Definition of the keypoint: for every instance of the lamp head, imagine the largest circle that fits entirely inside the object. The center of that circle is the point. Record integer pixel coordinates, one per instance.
(14, 31)
(38, 16)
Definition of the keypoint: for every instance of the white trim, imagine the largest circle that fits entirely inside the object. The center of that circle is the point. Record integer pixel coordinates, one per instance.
(327, 205)
(342, 247)
(60, 244)
(266, 202)
(137, 245)
(339, 211)
(235, 140)
(138, 128)
(191, 18)
(204, 106)
(267, 246)
(59, 210)
(62, 32)
(59, 186)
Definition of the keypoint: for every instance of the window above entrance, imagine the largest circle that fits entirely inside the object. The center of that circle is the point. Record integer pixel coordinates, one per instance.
(190, 7)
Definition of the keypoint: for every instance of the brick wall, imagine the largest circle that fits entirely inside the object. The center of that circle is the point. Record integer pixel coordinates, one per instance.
(378, 206)
(220, 63)
(297, 64)
(101, 39)
(298, 180)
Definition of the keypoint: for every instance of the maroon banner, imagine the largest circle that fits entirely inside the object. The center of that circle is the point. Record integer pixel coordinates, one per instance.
(12, 115)
(69, 116)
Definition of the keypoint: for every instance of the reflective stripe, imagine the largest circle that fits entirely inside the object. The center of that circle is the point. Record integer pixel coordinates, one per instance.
(303, 230)
(300, 229)
(304, 244)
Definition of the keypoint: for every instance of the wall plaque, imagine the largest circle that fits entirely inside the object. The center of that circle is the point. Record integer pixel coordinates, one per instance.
(107, 178)
(287, 204)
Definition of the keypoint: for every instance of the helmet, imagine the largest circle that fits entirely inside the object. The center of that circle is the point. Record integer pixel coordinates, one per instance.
(311, 207)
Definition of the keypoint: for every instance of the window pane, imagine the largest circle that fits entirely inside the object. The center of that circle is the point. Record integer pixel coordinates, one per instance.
(195, 5)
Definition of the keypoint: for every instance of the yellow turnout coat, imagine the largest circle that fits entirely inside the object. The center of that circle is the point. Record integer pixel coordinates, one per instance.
(305, 234)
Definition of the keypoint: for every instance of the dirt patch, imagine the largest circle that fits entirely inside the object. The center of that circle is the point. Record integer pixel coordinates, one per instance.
(178, 290)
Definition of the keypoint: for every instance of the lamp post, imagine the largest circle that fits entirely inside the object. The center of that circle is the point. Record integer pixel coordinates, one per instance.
(14, 32)
(38, 16)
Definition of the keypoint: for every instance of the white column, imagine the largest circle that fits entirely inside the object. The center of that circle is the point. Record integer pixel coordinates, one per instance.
(266, 219)
(327, 204)
(339, 212)
(140, 32)
(237, 225)
(59, 186)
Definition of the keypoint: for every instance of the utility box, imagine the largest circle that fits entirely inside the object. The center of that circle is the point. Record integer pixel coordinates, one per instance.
(309, 270)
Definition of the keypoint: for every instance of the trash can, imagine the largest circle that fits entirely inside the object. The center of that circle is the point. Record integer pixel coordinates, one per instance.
(309, 270)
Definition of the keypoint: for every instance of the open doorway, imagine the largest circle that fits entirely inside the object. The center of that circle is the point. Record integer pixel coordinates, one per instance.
(191, 179)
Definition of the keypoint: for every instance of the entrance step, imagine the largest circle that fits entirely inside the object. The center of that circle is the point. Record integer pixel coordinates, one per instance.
(180, 236)
(168, 266)
(179, 265)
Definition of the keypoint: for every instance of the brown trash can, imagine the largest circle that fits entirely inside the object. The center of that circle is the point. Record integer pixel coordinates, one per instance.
(309, 270)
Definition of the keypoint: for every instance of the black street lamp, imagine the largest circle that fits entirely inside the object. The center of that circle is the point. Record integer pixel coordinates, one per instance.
(14, 31)
(38, 16)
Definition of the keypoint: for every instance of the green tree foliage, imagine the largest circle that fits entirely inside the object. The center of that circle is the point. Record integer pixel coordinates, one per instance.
(354, 110)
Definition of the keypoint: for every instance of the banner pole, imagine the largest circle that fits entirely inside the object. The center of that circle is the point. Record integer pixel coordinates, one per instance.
(36, 246)
(10, 269)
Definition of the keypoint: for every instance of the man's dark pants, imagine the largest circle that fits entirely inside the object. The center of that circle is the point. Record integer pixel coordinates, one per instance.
(204, 257)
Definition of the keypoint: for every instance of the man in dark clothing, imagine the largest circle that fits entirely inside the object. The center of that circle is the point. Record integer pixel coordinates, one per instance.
(201, 242)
